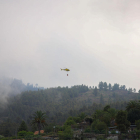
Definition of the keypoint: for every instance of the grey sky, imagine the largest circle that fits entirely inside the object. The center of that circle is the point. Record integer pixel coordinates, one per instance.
(99, 40)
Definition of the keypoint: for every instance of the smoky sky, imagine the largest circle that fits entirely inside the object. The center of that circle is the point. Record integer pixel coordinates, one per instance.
(99, 40)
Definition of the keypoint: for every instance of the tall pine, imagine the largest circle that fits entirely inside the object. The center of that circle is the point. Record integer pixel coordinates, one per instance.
(102, 100)
(95, 92)
(23, 127)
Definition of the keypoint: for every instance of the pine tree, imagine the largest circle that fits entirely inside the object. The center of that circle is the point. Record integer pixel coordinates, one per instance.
(95, 91)
(110, 87)
(101, 85)
(101, 99)
(105, 85)
(23, 127)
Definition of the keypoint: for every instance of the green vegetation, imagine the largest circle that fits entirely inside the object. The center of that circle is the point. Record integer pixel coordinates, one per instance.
(69, 109)
(133, 109)
(39, 119)
(121, 120)
(23, 134)
(67, 134)
(23, 127)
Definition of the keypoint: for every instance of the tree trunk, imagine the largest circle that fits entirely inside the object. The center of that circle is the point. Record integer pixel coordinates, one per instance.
(39, 127)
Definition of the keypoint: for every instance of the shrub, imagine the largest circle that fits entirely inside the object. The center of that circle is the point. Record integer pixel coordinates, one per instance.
(96, 131)
(1, 136)
(5, 138)
(129, 137)
(44, 134)
(22, 133)
(66, 134)
(88, 130)
(137, 124)
(13, 137)
(101, 126)
(113, 132)
(29, 133)
(100, 138)
(138, 132)
(70, 122)
(50, 133)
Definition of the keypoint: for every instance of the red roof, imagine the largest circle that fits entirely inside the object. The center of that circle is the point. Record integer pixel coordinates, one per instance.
(37, 132)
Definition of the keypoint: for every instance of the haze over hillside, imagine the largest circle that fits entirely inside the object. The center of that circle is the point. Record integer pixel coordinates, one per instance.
(10, 87)
(60, 101)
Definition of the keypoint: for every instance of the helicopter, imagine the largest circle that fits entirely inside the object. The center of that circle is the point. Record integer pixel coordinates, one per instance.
(66, 69)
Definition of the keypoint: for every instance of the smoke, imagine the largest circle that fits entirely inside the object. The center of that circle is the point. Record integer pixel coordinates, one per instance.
(9, 87)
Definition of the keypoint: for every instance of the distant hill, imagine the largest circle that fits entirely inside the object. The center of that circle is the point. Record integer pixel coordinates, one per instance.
(61, 102)
(10, 86)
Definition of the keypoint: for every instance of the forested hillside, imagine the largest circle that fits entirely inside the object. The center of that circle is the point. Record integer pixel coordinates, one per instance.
(60, 102)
